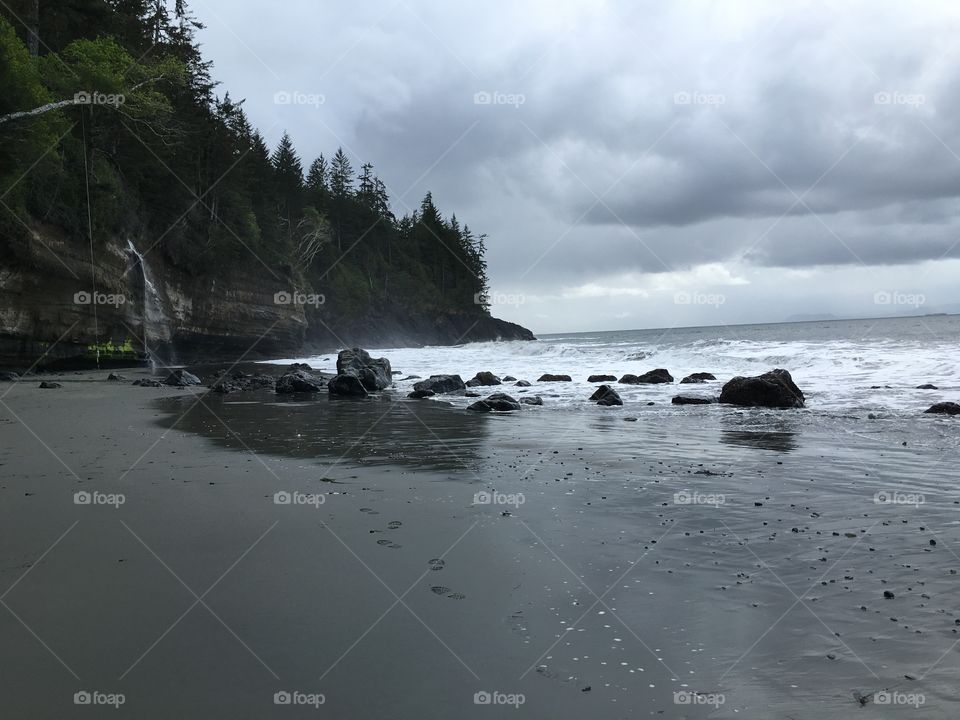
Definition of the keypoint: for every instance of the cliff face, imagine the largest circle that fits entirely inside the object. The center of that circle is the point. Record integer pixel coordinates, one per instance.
(60, 309)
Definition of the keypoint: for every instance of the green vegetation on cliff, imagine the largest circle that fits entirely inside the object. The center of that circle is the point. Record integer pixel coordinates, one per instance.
(111, 127)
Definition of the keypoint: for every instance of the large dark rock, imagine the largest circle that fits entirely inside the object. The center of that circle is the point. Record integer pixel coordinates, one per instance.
(660, 375)
(116, 377)
(532, 400)
(147, 382)
(501, 402)
(547, 377)
(45, 385)
(299, 381)
(509, 378)
(420, 394)
(927, 386)
(523, 383)
(181, 378)
(239, 382)
(774, 389)
(602, 378)
(484, 378)
(441, 384)
(944, 408)
(374, 373)
(688, 400)
(607, 396)
(347, 384)
(698, 378)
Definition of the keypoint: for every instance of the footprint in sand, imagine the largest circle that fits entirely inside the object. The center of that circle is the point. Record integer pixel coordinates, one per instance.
(394, 524)
(436, 564)
(441, 590)
(388, 543)
(369, 511)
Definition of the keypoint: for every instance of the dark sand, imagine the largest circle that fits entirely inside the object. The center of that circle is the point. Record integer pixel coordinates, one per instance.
(599, 597)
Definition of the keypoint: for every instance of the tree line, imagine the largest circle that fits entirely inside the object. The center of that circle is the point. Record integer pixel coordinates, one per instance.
(111, 125)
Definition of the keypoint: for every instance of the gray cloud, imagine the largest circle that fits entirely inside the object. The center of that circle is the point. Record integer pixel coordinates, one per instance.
(641, 137)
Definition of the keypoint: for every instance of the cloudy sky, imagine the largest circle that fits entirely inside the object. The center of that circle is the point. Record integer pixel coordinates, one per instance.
(639, 164)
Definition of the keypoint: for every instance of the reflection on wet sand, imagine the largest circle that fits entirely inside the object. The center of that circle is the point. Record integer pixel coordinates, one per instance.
(378, 430)
(776, 440)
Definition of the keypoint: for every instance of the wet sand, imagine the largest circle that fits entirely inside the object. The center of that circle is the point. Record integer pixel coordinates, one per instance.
(740, 555)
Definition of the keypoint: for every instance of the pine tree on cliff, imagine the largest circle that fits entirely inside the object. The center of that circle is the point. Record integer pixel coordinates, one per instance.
(288, 179)
(341, 187)
(318, 182)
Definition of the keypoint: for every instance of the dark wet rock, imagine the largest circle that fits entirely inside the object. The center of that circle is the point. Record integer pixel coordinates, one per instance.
(547, 377)
(116, 377)
(472, 382)
(630, 419)
(485, 379)
(532, 400)
(522, 383)
(888, 595)
(774, 389)
(509, 378)
(698, 378)
(239, 382)
(347, 384)
(45, 385)
(660, 375)
(441, 384)
(602, 378)
(299, 381)
(418, 394)
(606, 396)
(374, 373)
(928, 386)
(944, 408)
(148, 382)
(181, 378)
(410, 377)
(501, 402)
(471, 393)
(300, 366)
(688, 400)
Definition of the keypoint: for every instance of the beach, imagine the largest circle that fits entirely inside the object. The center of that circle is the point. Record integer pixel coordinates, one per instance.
(429, 562)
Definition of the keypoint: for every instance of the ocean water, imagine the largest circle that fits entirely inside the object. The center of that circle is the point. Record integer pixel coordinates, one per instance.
(836, 363)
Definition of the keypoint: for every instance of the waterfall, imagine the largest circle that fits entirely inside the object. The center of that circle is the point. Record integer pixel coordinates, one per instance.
(153, 317)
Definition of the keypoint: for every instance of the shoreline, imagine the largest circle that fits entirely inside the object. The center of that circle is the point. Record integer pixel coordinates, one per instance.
(685, 588)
